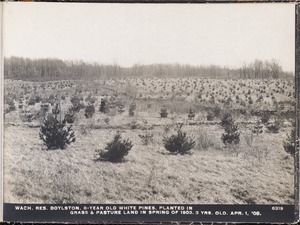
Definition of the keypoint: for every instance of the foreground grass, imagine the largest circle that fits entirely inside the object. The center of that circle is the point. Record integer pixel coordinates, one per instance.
(148, 175)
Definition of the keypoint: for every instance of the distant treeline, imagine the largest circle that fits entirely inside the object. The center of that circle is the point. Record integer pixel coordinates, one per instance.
(56, 69)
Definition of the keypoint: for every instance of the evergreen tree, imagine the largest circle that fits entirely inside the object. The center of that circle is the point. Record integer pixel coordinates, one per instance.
(54, 132)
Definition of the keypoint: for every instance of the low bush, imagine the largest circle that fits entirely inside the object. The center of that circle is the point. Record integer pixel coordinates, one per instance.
(210, 116)
(31, 101)
(77, 104)
(216, 111)
(273, 127)
(265, 116)
(213, 112)
(37, 99)
(227, 120)
(89, 111)
(163, 112)
(179, 143)
(231, 138)
(104, 106)
(116, 149)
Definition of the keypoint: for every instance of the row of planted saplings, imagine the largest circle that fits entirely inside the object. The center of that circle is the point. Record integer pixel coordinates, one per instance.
(57, 133)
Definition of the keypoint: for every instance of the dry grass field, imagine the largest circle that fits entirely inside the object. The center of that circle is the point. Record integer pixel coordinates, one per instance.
(256, 171)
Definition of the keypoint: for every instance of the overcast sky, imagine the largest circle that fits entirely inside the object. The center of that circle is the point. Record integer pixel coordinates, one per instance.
(197, 34)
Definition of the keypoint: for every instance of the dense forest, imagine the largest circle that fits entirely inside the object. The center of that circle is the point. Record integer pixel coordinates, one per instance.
(57, 69)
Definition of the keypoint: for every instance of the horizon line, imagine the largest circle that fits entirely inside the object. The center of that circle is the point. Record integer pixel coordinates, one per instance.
(115, 62)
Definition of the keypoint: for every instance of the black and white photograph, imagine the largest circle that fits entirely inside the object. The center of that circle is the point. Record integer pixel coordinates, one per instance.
(149, 103)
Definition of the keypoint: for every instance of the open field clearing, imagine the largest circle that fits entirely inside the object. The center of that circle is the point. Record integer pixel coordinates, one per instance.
(148, 175)
(152, 113)
(254, 170)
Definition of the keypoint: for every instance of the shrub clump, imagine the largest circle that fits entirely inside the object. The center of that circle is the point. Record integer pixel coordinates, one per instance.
(163, 112)
(54, 133)
(265, 116)
(104, 106)
(77, 105)
(116, 149)
(37, 99)
(273, 127)
(210, 116)
(31, 100)
(44, 108)
(89, 111)
(231, 135)
(212, 113)
(179, 143)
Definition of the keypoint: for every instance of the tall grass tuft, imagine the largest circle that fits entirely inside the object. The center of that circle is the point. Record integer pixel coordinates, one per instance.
(204, 141)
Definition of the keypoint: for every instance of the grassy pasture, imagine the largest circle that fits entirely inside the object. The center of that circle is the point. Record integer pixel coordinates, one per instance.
(148, 175)
(258, 171)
